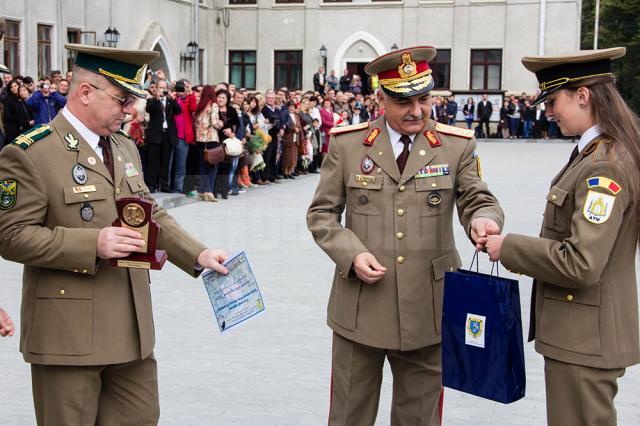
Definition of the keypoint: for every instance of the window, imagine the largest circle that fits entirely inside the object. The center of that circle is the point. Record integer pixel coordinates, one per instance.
(288, 69)
(73, 36)
(337, 1)
(441, 69)
(242, 1)
(12, 46)
(44, 50)
(289, 1)
(486, 69)
(242, 68)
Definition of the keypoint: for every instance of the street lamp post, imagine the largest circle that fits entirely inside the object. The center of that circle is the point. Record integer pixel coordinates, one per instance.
(394, 47)
(112, 37)
(323, 54)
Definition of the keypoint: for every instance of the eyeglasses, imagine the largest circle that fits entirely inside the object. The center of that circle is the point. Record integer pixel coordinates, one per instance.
(124, 102)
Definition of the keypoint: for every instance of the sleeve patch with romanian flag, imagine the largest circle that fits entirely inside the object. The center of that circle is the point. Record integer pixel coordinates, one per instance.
(603, 182)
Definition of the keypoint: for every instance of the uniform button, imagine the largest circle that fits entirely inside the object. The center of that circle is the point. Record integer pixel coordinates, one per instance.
(364, 184)
(61, 292)
(117, 191)
(75, 270)
(569, 297)
(399, 235)
(139, 184)
(400, 259)
(84, 271)
(554, 197)
(402, 188)
(400, 212)
(86, 195)
(434, 185)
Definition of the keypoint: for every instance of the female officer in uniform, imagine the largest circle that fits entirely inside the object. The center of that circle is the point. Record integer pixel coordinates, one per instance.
(584, 301)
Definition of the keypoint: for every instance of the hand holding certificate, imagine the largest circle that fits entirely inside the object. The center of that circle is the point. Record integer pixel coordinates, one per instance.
(234, 297)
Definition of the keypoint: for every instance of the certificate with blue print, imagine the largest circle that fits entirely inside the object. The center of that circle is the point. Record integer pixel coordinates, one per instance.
(235, 297)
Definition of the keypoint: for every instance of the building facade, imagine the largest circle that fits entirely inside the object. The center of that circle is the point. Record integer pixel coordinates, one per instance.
(261, 44)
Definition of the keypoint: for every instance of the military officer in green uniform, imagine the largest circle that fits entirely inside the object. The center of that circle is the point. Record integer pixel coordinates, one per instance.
(6, 323)
(584, 305)
(86, 326)
(397, 181)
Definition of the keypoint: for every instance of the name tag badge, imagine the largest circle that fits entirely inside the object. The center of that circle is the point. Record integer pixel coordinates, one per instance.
(130, 170)
(83, 189)
(365, 178)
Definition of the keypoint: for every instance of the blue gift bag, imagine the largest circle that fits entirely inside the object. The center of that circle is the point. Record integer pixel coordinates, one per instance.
(482, 346)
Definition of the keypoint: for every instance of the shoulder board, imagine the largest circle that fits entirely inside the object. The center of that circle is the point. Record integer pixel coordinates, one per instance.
(123, 133)
(28, 138)
(455, 131)
(347, 129)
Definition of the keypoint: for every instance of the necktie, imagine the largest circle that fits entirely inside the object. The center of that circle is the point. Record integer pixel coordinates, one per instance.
(107, 155)
(404, 155)
(574, 154)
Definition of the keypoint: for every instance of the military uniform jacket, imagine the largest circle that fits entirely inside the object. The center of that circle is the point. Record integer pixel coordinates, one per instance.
(586, 305)
(76, 308)
(388, 215)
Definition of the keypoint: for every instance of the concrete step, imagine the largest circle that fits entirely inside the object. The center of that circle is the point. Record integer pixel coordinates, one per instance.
(170, 200)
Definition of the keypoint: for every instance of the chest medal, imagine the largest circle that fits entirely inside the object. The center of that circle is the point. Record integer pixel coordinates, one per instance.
(434, 199)
(79, 174)
(86, 212)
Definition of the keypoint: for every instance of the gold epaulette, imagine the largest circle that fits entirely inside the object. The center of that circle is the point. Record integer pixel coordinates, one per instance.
(26, 139)
(347, 129)
(455, 131)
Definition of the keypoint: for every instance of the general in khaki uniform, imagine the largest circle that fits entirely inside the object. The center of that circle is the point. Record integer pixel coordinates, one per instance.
(86, 327)
(405, 219)
(584, 303)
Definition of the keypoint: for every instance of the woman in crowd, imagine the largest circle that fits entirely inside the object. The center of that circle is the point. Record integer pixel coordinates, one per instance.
(307, 128)
(468, 110)
(326, 115)
(356, 85)
(230, 123)
(514, 118)
(293, 137)
(585, 295)
(207, 125)
(17, 114)
(504, 119)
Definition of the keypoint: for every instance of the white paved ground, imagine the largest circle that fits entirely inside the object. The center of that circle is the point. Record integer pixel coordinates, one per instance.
(274, 370)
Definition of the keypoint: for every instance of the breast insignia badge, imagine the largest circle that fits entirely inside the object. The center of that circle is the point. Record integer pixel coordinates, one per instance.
(79, 174)
(366, 165)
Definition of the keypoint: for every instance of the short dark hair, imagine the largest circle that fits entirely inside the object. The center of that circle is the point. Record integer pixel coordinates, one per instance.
(54, 72)
(27, 80)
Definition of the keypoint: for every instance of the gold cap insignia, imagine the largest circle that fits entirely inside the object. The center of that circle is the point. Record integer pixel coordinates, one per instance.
(408, 67)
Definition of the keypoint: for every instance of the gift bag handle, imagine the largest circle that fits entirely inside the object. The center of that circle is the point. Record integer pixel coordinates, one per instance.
(476, 261)
(495, 265)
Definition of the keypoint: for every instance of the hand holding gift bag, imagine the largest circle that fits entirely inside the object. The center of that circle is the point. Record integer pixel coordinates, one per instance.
(482, 346)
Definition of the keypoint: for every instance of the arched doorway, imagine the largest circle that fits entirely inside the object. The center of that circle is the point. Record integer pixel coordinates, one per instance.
(154, 38)
(355, 52)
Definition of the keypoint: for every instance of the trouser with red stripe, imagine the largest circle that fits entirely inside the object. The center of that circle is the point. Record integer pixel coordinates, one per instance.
(357, 377)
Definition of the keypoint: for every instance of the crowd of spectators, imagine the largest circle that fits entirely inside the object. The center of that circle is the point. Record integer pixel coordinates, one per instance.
(266, 137)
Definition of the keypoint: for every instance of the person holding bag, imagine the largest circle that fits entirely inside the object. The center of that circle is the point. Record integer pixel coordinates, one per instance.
(584, 306)
(207, 125)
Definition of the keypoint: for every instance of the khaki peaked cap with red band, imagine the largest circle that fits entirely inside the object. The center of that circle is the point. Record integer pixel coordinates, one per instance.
(555, 72)
(405, 72)
(124, 68)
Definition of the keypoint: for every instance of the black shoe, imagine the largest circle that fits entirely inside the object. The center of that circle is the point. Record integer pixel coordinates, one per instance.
(294, 174)
(234, 192)
(279, 177)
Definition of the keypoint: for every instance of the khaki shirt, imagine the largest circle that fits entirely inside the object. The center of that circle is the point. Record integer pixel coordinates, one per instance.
(388, 214)
(76, 308)
(583, 264)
